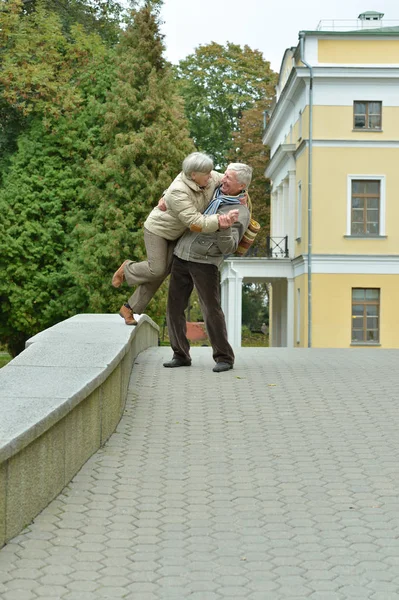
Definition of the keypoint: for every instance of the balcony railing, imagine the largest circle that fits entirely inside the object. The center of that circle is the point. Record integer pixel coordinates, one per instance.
(276, 247)
(355, 24)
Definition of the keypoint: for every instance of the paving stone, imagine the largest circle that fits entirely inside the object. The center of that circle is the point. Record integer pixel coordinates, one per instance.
(290, 495)
(19, 595)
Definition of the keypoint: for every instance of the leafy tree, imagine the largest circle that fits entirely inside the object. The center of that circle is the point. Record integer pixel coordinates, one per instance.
(40, 70)
(43, 44)
(248, 148)
(144, 139)
(255, 306)
(218, 83)
(96, 16)
(11, 121)
(40, 67)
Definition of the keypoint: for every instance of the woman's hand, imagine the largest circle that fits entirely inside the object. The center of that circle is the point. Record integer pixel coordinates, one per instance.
(162, 204)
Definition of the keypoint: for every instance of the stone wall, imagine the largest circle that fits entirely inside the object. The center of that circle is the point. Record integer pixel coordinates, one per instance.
(60, 400)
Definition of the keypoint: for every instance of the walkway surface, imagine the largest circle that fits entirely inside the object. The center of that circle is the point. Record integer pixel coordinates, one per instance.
(278, 480)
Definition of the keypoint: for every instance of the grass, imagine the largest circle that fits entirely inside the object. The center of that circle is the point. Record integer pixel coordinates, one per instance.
(4, 359)
(249, 340)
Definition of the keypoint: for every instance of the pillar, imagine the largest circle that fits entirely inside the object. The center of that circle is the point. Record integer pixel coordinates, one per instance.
(290, 312)
(231, 300)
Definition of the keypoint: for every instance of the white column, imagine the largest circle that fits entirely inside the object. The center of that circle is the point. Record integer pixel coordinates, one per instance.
(291, 212)
(284, 228)
(277, 315)
(277, 230)
(290, 312)
(272, 316)
(231, 301)
(273, 213)
(283, 313)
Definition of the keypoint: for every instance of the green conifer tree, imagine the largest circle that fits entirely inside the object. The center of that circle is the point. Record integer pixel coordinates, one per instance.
(144, 140)
(40, 198)
(37, 191)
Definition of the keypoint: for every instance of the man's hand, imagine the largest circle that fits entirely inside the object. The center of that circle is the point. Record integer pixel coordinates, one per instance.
(244, 199)
(227, 220)
(162, 204)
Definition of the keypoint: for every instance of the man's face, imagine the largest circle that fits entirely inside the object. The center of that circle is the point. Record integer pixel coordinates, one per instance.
(230, 184)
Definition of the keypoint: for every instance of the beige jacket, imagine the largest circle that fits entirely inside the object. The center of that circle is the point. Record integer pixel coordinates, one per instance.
(186, 202)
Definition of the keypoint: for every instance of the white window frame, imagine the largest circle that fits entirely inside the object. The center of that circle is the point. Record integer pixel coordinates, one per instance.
(298, 224)
(381, 179)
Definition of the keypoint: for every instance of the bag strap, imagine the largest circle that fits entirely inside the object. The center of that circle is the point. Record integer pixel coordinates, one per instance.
(249, 205)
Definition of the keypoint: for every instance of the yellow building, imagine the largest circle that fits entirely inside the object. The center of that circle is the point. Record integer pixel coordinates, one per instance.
(334, 169)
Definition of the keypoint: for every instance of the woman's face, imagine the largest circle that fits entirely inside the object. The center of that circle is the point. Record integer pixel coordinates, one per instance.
(201, 179)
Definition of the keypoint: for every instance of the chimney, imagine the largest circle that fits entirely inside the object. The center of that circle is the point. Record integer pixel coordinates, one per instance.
(371, 19)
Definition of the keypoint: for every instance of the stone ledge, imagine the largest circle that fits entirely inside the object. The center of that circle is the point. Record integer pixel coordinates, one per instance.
(60, 400)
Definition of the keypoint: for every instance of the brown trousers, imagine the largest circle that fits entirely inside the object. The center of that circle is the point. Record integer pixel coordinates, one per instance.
(149, 274)
(205, 277)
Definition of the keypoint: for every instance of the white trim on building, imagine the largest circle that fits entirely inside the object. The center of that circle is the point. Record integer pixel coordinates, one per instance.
(339, 264)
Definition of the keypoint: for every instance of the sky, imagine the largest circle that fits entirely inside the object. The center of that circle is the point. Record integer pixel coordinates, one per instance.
(260, 24)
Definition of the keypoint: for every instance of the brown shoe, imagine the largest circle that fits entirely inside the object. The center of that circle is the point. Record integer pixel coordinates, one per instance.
(119, 275)
(127, 314)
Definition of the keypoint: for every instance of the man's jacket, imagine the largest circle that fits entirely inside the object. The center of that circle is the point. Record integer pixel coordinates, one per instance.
(211, 248)
(185, 201)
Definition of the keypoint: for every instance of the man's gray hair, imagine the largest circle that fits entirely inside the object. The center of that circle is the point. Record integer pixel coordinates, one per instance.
(197, 162)
(243, 171)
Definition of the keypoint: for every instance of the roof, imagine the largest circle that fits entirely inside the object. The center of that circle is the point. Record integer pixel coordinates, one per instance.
(374, 31)
(370, 13)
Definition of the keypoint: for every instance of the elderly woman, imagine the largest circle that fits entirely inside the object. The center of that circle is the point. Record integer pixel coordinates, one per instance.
(186, 199)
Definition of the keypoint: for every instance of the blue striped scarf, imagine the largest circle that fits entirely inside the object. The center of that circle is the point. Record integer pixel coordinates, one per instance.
(219, 198)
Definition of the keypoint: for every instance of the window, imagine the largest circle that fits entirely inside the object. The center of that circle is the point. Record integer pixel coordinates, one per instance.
(365, 315)
(367, 115)
(365, 207)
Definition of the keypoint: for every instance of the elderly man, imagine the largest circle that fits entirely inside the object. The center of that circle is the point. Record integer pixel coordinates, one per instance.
(195, 263)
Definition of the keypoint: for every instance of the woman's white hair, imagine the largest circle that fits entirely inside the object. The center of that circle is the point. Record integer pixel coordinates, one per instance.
(244, 172)
(197, 162)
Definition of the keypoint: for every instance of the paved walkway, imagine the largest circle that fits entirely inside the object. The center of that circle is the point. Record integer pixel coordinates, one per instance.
(278, 480)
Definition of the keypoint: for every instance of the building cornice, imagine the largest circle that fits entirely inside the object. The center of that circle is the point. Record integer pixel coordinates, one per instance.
(282, 154)
(254, 269)
(267, 269)
(370, 143)
(350, 71)
(344, 264)
(356, 143)
(287, 92)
